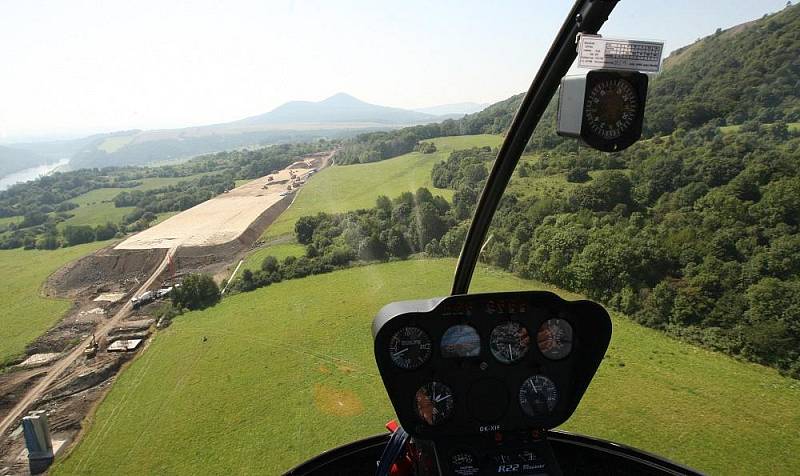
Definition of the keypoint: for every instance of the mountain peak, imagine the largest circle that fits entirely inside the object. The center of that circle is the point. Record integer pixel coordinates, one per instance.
(339, 108)
(342, 98)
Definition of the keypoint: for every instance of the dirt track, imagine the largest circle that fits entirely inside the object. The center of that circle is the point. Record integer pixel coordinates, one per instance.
(208, 235)
(59, 367)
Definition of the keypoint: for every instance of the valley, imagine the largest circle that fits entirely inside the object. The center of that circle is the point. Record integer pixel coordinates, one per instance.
(200, 300)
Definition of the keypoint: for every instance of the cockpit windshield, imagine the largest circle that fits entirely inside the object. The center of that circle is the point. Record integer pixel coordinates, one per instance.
(202, 208)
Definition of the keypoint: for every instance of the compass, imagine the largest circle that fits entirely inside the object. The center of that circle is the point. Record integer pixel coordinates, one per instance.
(613, 109)
(604, 108)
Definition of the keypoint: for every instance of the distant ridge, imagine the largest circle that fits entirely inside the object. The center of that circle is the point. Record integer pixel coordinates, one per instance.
(339, 108)
(459, 108)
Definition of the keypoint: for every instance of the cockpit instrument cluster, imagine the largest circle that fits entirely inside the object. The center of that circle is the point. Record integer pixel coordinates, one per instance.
(482, 367)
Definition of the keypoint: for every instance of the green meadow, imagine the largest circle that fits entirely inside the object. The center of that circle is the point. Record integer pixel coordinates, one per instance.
(26, 314)
(350, 187)
(96, 207)
(267, 379)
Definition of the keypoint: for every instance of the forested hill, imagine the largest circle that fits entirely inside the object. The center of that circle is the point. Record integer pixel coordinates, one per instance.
(747, 72)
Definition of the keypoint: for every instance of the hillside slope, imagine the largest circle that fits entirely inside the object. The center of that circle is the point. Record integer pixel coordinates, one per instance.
(338, 116)
(267, 379)
(750, 71)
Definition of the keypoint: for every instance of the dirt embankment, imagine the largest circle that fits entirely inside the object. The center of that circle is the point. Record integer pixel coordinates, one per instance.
(105, 270)
(195, 254)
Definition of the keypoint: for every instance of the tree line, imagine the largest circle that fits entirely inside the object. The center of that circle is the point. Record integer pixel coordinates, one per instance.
(696, 234)
(46, 202)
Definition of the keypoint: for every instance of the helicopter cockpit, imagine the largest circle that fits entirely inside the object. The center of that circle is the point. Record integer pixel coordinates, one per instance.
(479, 382)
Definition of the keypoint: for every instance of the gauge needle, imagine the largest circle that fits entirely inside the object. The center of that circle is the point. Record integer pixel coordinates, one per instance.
(441, 399)
(400, 352)
(510, 353)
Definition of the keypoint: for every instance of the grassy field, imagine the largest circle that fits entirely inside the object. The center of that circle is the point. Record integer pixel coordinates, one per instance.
(9, 220)
(97, 206)
(287, 372)
(549, 186)
(350, 187)
(280, 251)
(26, 314)
(113, 144)
(793, 126)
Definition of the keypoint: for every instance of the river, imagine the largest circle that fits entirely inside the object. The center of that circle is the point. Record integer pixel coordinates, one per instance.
(30, 174)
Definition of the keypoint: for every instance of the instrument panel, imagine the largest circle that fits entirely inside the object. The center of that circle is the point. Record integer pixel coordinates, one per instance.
(483, 364)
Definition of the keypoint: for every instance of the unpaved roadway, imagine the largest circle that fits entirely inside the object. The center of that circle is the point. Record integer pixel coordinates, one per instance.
(53, 373)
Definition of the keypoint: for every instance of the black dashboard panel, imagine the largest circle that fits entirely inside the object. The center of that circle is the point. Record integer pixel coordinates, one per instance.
(488, 365)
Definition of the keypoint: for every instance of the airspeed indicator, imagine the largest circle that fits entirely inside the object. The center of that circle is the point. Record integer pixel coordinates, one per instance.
(410, 347)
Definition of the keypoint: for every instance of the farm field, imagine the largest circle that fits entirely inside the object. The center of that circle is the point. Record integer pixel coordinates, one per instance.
(112, 144)
(350, 187)
(279, 250)
(96, 207)
(287, 371)
(26, 314)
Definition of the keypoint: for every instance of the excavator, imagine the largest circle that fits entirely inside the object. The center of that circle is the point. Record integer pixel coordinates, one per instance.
(481, 382)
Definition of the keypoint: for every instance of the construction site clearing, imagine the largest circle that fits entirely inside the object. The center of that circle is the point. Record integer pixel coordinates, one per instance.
(117, 293)
(224, 218)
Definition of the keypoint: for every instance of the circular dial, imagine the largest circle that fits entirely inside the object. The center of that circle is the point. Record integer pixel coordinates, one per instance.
(434, 402)
(460, 341)
(611, 108)
(555, 338)
(538, 396)
(410, 347)
(509, 342)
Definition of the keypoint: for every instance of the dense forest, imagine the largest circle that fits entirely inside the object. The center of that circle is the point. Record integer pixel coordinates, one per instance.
(46, 202)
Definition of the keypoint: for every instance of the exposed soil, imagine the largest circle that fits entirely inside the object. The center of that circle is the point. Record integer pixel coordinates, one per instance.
(70, 386)
(107, 270)
(224, 220)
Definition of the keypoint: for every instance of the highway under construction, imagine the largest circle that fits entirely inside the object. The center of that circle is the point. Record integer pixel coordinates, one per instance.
(116, 295)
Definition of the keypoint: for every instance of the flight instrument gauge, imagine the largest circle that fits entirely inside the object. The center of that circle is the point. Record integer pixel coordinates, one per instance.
(434, 403)
(509, 342)
(611, 107)
(555, 338)
(410, 347)
(538, 396)
(604, 108)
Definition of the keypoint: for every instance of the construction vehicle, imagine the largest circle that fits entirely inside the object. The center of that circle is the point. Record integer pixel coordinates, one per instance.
(91, 348)
(142, 299)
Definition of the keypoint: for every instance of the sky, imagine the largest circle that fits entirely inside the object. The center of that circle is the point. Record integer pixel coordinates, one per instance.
(75, 67)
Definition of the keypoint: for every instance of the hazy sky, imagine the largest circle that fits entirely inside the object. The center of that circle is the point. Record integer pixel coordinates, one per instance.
(76, 67)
